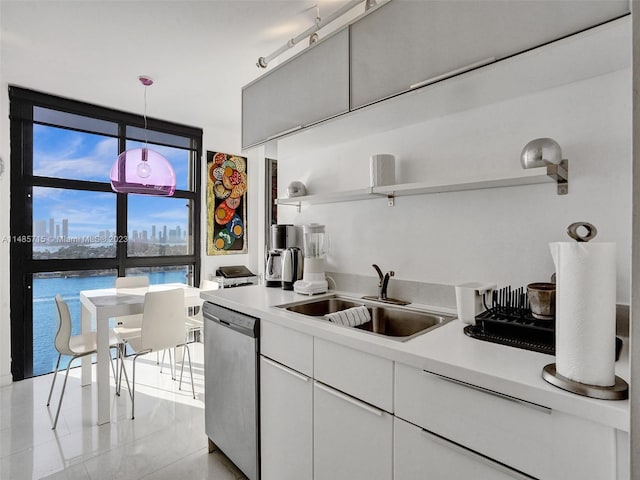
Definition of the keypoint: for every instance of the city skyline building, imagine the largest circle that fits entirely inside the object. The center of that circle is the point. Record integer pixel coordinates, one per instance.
(53, 231)
(40, 228)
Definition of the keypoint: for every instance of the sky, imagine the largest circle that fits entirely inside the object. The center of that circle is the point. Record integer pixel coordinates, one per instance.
(61, 153)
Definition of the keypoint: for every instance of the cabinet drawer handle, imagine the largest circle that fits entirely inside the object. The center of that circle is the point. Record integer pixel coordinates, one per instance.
(349, 399)
(504, 396)
(450, 73)
(283, 133)
(475, 456)
(286, 369)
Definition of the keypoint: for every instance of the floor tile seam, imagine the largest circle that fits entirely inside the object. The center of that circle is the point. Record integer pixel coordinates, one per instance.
(148, 476)
(32, 446)
(86, 456)
(51, 470)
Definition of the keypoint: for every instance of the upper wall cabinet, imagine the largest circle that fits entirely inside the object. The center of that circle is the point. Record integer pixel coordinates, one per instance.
(404, 45)
(310, 87)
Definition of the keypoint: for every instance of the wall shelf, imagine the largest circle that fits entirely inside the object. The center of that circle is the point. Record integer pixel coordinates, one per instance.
(330, 197)
(554, 174)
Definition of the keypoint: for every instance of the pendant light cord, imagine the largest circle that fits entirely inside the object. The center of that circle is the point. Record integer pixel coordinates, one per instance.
(145, 81)
(146, 140)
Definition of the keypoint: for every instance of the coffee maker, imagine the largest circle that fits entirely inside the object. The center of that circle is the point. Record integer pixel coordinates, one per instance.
(313, 279)
(283, 236)
(291, 267)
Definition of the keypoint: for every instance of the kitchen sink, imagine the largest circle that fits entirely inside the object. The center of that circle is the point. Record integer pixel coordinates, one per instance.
(394, 322)
(318, 308)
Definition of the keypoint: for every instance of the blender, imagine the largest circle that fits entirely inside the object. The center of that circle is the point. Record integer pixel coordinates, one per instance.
(313, 279)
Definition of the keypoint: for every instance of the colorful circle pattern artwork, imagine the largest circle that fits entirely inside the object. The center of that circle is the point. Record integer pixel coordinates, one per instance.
(226, 203)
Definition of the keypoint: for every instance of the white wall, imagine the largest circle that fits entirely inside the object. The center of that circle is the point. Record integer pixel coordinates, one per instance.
(5, 331)
(229, 142)
(497, 235)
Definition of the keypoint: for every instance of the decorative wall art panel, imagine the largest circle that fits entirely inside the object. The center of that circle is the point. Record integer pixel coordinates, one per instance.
(226, 203)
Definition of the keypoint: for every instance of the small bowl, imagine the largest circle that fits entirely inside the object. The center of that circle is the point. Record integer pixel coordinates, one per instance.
(542, 298)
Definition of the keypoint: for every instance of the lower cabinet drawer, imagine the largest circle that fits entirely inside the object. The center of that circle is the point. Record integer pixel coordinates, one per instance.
(545, 444)
(287, 346)
(418, 453)
(357, 373)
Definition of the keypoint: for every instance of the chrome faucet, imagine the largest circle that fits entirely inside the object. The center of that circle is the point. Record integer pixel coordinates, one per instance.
(384, 282)
(382, 288)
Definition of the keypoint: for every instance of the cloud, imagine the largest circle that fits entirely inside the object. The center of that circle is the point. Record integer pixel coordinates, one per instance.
(76, 156)
(87, 212)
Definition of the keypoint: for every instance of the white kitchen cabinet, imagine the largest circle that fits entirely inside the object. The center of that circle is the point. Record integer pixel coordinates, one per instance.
(422, 454)
(288, 347)
(363, 375)
(351, 439)
(405, 45)
(308, 88)
(286, 423)
(527, 437)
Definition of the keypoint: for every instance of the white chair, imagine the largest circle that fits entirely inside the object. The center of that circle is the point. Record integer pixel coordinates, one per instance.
(128, 326)
(194, 323)
(75, 346)
(137, 281)
(163, 326)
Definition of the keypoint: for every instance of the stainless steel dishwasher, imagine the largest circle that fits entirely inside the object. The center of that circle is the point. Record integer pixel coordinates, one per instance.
(231, 386)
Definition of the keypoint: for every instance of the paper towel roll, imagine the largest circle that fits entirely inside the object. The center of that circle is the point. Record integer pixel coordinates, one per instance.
(585, 311)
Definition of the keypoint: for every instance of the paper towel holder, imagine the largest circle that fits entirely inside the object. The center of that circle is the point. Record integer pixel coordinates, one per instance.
(573, 232)
(618, 391)
(546, 152)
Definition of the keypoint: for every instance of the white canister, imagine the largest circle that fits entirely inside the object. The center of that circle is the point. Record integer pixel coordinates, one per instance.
(382, 170)
(469, 300)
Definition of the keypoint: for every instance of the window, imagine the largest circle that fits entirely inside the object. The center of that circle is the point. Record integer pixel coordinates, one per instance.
(271, 191)
(70, 231)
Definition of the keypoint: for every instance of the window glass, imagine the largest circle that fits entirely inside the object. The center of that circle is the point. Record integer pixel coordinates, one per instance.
(69, 216)
(152, 136)
(178, 158)
(68, 284)
(73, 224)
(62, 153)
(165, 274)
(72, 120)
(158, 226)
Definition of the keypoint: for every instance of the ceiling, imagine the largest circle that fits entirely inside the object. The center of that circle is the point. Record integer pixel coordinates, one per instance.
(199, 53)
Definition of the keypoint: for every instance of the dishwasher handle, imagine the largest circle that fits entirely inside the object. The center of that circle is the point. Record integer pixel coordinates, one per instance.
(225, 317)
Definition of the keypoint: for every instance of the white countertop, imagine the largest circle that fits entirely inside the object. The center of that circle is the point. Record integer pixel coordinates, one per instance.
(445, 350)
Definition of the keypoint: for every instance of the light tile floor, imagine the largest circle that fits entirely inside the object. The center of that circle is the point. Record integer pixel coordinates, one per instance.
(166, 440)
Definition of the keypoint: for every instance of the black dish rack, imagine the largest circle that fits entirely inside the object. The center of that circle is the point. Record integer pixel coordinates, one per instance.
(508, 321)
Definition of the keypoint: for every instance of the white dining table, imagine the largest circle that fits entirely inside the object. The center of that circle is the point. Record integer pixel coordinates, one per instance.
(98, 306)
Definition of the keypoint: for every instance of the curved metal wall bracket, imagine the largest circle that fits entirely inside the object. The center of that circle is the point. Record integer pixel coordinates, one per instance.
(560, 173)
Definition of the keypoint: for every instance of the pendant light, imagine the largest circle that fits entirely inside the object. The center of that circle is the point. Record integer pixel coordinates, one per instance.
(141, 170)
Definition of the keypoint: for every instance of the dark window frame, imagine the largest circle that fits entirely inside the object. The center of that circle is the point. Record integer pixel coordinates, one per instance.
(22, 265)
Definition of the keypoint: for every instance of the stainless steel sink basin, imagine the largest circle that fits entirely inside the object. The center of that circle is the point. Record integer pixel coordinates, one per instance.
(320, 307)
(397, 323)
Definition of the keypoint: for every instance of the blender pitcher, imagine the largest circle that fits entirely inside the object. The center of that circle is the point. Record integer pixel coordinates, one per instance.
(313, 279)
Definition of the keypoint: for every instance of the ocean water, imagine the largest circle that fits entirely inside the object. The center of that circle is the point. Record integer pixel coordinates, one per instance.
(45, 313)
